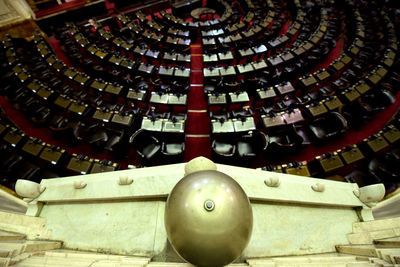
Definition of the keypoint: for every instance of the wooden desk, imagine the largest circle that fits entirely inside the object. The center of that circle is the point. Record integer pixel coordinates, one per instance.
(217, 99)
(63, 102)
(113, 89)
(245, 125)
(98, 85)
(79, 166)
(102, 115)
(293, 117)
(98, 167)
(166, 71)
(51, 155)
(227, 71)
(124, 120)
(239, 97)
(222, 127)
(392, 134)
(285, 88)
(332, 163)
(266, 94)
(78, 108)
(376, 143)
(245, 68)
(269, 122)
(351, 155)
(214, 72)
(333, 103)
(185, 73)
(152, 125)
(317, 110)
(139, 95)
(33, 148)
(13, 137)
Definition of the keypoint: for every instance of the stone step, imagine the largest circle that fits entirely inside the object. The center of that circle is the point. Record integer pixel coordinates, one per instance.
(376, 225)
(389, 254)
(12, 249)
(45, 261)
(305, 259)
(59, 253)
(393, 242)
(7, 236)
(362, 250)
(24, 256)
(4, 261)
(32, 227)
(369, 237)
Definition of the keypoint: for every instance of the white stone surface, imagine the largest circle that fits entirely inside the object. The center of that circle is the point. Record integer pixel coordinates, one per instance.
(105, 216)
(281, 229)
(159, 181)
(128, 228)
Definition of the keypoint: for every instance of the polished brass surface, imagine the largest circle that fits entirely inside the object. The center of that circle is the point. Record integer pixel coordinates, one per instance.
(208, 218)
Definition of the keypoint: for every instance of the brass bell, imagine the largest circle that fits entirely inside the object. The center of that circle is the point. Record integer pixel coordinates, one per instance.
(208, 218)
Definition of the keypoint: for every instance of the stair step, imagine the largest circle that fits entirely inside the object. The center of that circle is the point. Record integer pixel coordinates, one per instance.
(24, 256)
(388, 254)
(16, 248)
(6, 236)
(95, 256)
(313, 259)
(376, 225)
(45, 261)
(4, 262)
(369, 237)
(362, 250)
(392, 242)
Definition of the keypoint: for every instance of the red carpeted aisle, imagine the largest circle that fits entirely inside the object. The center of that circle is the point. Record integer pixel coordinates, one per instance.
(198, 121)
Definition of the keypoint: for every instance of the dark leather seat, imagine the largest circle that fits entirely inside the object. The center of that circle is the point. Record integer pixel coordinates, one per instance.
(173, 150)
(223, 150)
(250, 145)
(327, 126)
(146, 145)
(283, 141)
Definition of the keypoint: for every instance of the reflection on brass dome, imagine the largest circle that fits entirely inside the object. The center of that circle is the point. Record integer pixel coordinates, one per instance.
(208, 218)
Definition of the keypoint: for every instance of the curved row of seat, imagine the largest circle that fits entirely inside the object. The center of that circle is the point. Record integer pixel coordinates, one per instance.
(279, 77)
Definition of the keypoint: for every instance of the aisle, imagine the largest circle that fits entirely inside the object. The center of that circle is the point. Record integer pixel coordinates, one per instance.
(198, 121)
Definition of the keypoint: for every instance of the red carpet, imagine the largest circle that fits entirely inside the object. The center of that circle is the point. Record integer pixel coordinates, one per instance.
(197, 123)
